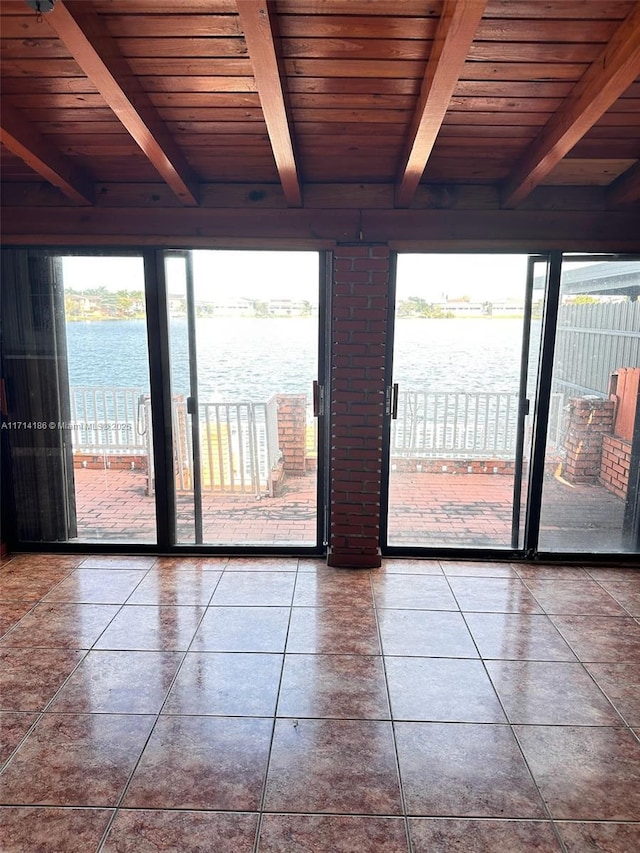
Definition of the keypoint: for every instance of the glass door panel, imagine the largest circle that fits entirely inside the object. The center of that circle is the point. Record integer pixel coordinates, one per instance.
(462, 430)
(537, 271)
(183, 382)
(108, 366)
(590, 488)
(244, 354)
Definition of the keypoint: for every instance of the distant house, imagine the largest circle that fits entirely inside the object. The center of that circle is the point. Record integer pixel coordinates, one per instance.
(240, 307)
(286, 307)
(462, 308)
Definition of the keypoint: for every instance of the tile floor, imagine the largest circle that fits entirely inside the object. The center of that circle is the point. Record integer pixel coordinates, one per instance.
(276, 705)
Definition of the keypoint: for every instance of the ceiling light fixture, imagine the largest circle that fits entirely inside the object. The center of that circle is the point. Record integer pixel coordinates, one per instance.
(41, 7)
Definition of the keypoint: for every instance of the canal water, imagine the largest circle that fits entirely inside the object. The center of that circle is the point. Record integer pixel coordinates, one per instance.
(249, 359)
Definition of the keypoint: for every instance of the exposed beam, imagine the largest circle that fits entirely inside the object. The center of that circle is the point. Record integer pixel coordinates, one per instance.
(97, 53)
(423, 230)
(626, 189)
(601, 85)
(39, 154)
(456, 29)
(258, 23)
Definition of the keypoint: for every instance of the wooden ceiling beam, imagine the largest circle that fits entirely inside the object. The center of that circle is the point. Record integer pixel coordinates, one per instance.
(20, 137)
(97, 53)
(425, 230)
(626, 188)
(601, 85)
(456, 29)
(257, 18)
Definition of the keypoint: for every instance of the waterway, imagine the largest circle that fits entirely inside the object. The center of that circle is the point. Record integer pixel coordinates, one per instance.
(242, 359)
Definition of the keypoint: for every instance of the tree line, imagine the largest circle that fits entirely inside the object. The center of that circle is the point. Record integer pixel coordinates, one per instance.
(98, 303)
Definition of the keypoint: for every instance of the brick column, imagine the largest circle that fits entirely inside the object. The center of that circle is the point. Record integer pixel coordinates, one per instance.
(360, 300)
(292, 432)
(590, 418)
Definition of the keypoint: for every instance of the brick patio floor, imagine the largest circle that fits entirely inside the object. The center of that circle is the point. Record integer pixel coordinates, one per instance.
(113, 505)
(438, 510)
(450, 510)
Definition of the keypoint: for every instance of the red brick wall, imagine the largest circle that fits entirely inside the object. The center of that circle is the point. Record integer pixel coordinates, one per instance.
(128, 462)
(292, 432)
(452, 466)
(614, 470)
(589, 420)
(359, 317)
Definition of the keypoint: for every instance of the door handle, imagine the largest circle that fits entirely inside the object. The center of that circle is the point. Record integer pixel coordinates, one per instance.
(318, 399)
(392, 401)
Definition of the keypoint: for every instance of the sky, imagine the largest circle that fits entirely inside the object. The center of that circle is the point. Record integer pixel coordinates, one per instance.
(257, 275)
(294, 275)
(254, 275)
(82, 273)
(437, 278)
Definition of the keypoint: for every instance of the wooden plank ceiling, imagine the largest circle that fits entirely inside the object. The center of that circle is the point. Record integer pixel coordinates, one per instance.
(509, 93)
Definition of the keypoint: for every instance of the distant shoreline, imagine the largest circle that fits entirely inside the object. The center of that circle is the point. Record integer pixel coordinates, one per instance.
(515, 316)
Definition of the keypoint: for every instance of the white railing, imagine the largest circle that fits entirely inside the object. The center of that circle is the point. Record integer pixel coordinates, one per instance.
(454, 424)
(239, 441)
(108, 420)
(236, 447)
(558, 419)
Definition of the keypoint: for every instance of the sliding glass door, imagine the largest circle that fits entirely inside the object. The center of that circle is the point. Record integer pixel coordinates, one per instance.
(175, 398)
(110, 404)
(591, 488)
(241, 433)
(78, 423)
(244, 356)
(465, 350)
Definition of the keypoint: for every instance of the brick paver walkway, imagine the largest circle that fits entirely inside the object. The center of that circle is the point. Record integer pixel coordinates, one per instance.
(462, 510)
(114, 505)
(450, 510)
